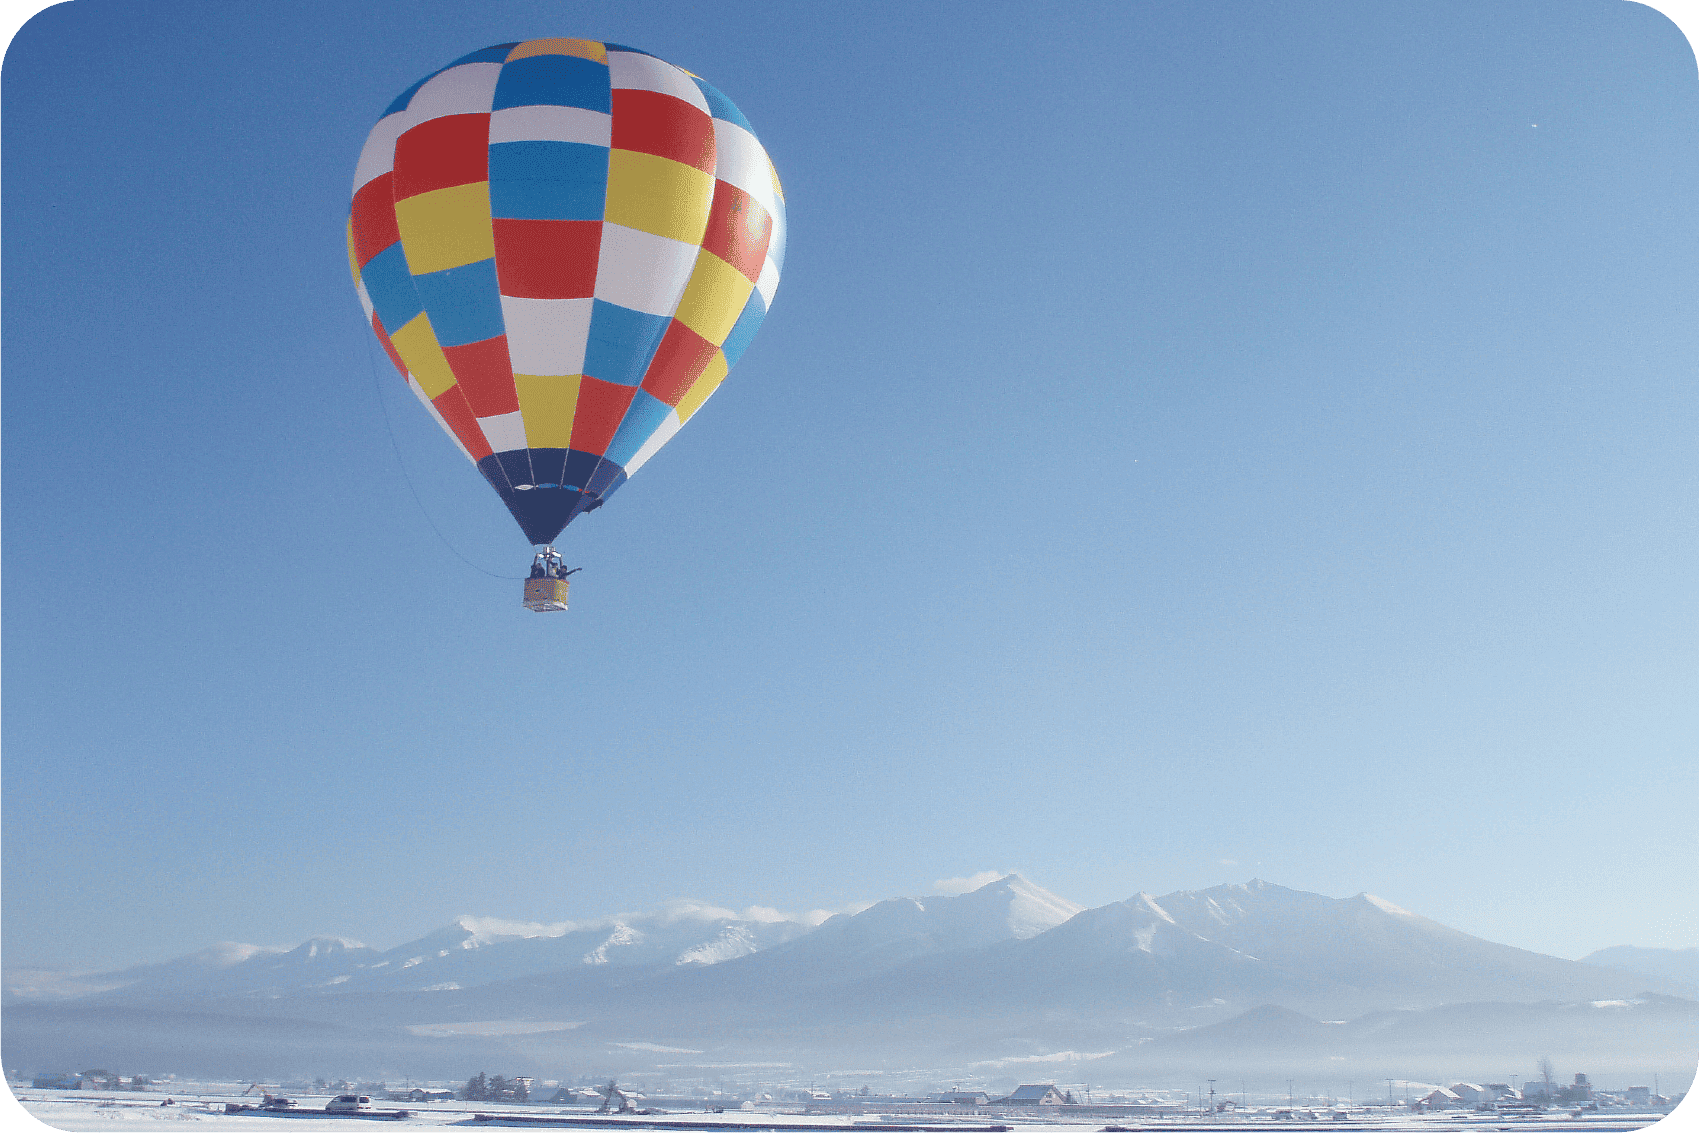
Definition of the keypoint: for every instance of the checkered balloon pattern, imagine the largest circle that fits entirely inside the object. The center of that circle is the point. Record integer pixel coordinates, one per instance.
(563, 246)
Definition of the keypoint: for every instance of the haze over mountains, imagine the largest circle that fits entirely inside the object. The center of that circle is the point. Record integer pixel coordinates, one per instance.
(1678, 964)
(1004, 977)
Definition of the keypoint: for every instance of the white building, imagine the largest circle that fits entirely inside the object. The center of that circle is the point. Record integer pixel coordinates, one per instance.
(1441, 1098)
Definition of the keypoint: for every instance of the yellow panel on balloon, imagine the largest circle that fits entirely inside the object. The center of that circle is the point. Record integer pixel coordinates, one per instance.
(548, 404)
(446, 228)
(714, 298)
(658, 195)
(705, 385)
(353, 257)
(583, 48)
(417, 344)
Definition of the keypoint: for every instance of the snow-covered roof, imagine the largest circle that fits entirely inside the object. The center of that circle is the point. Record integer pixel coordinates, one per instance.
(1030, 1093)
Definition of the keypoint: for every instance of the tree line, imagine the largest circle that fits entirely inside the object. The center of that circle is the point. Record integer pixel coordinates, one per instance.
(496, 1089)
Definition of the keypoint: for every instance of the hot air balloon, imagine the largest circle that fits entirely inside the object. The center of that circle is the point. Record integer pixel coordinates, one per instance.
(563, 246)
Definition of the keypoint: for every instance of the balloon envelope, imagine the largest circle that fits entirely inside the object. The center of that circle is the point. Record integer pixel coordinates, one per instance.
(563, 245)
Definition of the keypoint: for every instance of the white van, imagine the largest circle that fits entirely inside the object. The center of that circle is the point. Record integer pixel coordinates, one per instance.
(349, 1103)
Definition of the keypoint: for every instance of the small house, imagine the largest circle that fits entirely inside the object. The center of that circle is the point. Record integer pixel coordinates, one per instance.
(1041, 1094)
(1441, 1098)
(964, 1097)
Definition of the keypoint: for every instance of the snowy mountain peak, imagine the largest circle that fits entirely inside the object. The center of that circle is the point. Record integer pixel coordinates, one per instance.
(1148, 904)
(733, 941)
(903, 929)
(1385, 906)
(489, 930)
(622, 935)
(228, 953)
(1029, 909)
(317, 946)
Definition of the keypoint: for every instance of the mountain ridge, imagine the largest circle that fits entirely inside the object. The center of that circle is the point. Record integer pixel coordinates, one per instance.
(1006, 974)
(1197, 943)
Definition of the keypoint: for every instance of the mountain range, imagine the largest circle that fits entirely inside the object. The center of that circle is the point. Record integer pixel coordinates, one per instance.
(1006, 979)
(1678, 964)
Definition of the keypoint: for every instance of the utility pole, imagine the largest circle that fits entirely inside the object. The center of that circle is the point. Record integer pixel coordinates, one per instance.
(1212, 1095)
(1288, 1091)
(1389, 1093)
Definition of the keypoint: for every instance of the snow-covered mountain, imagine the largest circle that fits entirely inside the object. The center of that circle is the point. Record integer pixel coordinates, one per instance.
(230, 968)
(1131, 954)
(1003, 975)
(465, 953)
(1679, 964)
(906, 928)
(1194, 957)
(1364, 946)
(1005, 944)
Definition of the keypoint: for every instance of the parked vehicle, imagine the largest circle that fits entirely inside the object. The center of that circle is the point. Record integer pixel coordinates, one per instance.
(349, 1103)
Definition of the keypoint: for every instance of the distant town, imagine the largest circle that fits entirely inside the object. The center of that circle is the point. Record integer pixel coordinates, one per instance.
(1540, 1093)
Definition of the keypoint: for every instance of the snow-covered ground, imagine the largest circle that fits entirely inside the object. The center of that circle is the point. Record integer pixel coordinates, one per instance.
(145, 1114)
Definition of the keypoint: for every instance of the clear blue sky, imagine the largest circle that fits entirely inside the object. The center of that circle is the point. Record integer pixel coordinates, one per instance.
(1191, 442)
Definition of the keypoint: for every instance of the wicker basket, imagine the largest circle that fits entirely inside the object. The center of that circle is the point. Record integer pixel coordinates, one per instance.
(545, 594)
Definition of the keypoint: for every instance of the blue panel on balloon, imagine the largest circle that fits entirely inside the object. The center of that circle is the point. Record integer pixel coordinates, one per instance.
(516, 463)
(641, 420)
(464, 303)
(390, 286)
(548, 180)
(622, 342)
(540, 514)
(743, 331)
(554, 80)
(608, 477)
(547, 464)
(580, 466)
(722, 107)
(491, 468)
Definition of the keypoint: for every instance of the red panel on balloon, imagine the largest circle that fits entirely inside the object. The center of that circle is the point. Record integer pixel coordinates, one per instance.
(665, 126)
(388, 346)
(679, 361)
(738, 229)
(547, 259)
(453, 150)
(451, 403)
(601, 407)
(483, 371)
(374, 218)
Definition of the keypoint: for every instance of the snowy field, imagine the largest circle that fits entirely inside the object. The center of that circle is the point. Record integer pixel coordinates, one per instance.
(145, 1114)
